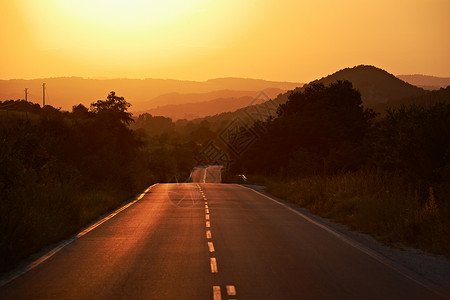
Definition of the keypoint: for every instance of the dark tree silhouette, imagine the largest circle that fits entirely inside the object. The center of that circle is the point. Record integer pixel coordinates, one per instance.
(154, 125)
(320, 130)
(80, 111)
(416, 140)
(114, 106)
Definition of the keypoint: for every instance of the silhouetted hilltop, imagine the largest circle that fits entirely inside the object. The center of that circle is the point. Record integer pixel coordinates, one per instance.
(377, 86)
(68, 91)
(425, 81)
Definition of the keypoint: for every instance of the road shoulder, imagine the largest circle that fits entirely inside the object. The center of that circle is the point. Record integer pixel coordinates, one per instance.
(433, 268)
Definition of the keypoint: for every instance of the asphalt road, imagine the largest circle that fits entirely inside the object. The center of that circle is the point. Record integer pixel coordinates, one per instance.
(194, 241)
(207, 174)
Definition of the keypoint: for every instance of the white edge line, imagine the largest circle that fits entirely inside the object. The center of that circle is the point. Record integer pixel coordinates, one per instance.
(58, 248)
(354, 244)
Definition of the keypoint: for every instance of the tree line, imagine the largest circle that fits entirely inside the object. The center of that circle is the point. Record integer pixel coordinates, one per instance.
(60, 170)
(326, 130)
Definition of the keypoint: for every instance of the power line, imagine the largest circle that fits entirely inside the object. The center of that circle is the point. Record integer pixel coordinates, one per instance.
(43, 94)
(47, 97)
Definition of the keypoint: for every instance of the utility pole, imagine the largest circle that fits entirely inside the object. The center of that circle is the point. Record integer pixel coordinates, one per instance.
(43, 94)
(26, 94)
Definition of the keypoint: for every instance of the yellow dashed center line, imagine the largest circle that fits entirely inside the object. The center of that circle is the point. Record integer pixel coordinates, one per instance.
(211, 247)
(231, 290)
(213, 263)
(216, 293)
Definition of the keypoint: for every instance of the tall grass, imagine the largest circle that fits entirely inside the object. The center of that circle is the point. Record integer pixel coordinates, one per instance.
(376, 202)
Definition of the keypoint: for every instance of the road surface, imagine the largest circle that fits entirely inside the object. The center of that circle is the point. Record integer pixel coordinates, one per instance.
(206, 174)
(211, 241)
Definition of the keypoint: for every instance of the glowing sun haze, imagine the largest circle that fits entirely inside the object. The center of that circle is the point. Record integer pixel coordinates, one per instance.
(202, 39)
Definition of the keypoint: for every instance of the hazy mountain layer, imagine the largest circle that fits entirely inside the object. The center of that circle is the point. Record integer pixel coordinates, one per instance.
(68, 91)
(425, 81)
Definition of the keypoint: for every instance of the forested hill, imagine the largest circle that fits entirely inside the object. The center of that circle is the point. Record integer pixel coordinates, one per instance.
(376, 86)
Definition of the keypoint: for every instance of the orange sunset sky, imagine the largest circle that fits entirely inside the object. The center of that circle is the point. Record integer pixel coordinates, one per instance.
(201, 39)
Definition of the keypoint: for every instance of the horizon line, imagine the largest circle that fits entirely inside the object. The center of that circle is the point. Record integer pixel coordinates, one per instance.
(148, 78)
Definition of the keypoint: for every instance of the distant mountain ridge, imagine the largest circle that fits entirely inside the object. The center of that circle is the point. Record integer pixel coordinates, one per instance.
(191, 111)
(425, 81)
(176, 98)
(68, 91)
